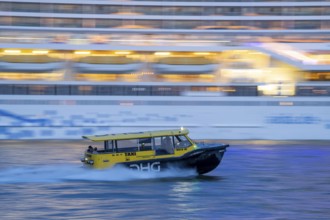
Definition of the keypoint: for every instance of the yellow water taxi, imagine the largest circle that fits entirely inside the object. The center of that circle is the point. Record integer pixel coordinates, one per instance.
(153, 151)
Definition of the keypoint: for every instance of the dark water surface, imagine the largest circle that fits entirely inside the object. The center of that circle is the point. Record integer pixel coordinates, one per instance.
(45, 180)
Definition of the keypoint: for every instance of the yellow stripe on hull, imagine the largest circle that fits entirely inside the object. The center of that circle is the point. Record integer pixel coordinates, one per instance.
(103, 160)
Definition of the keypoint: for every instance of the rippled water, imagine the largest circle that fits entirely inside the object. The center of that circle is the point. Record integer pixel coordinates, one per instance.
(45, 180)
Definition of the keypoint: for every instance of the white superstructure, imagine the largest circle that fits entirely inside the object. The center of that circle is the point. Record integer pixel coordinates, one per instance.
(223, 69)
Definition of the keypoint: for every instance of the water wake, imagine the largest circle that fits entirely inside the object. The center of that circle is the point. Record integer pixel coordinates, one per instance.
(65, 173)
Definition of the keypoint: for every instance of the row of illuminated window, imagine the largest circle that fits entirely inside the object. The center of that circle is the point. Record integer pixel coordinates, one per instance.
(164, 10)
(163, 24)
(317, 76)
(128, 90)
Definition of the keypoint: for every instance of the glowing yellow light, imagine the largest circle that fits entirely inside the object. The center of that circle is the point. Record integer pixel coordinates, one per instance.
(12, 51)
(268, 88)
(300, 56)
(82, 52)
(286, 103)
(40, 51)
(122, 52)
(162, 53)
(202, 53)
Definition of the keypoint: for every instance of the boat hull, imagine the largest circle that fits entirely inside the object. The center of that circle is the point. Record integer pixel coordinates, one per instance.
(202, 160)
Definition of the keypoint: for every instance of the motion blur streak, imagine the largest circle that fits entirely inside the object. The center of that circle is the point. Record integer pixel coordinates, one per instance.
(65, 173)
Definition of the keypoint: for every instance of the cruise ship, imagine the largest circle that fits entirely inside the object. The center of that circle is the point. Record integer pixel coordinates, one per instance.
(223, 69)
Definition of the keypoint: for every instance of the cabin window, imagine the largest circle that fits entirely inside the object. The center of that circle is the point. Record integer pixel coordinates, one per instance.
(163, 145)
(109, 145)
(127, 145)
(181, 141)
(145, 144)
(157, 143)
(167, 144)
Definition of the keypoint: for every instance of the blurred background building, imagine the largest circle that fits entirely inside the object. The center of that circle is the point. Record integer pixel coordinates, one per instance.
(224, 69)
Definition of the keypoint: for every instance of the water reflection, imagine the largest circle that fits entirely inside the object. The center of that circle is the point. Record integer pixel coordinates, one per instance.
(253, 182)
(182, 193)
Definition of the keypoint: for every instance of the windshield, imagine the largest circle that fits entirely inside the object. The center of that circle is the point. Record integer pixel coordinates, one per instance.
(181, 141)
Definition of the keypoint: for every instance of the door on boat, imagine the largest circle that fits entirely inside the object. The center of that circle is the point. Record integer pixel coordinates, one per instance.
(163, 145)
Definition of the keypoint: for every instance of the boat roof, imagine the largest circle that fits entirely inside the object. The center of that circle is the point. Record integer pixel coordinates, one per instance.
(135, 135)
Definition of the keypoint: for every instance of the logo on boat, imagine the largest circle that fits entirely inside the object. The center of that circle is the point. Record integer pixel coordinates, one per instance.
(149, 167)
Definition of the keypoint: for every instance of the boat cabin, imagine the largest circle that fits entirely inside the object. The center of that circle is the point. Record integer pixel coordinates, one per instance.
(152, 151)
(164, 142)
